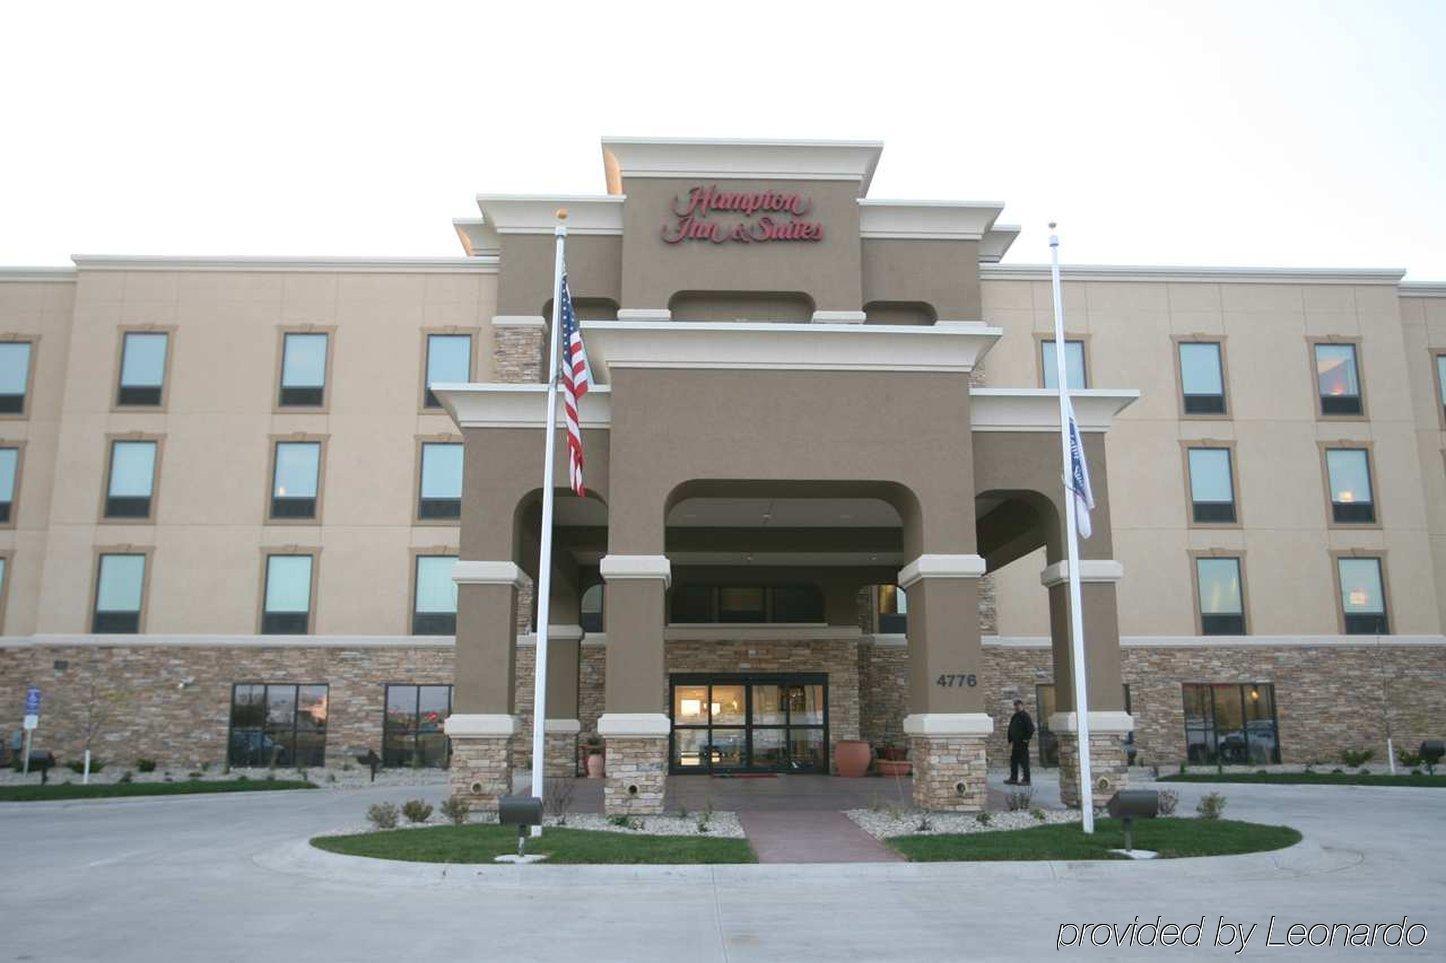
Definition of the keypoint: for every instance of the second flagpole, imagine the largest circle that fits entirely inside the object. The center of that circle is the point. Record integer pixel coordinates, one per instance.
(544, 555)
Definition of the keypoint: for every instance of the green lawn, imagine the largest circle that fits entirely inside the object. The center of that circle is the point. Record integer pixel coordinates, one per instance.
(1170, 837)
(55, 791)
(1313, 778)
(478, 844)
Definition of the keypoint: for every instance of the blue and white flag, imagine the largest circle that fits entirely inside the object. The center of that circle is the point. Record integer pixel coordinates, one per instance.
(1079, 476)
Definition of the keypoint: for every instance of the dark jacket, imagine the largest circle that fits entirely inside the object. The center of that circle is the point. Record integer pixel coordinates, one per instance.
(1021, 727)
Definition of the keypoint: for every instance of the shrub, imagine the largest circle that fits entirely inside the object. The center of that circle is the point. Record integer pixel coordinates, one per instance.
(1210, 806)
(557, 799)
(1355, 758)
(383, 815)
(1408, 758)
(417, 810)
(1037, 813)
(984, 818)
(1182, 767)
(1019, 800)
(457, 809)
(78, 765)
(145, 765)
(126, 776)
(1337, 771)
(924, 823)
(194, 774)
(1169, 799)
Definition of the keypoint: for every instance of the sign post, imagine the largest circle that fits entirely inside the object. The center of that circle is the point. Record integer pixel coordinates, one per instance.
(32, 719)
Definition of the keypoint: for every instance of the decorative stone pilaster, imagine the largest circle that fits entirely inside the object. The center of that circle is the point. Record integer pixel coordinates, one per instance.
(635, 748)
(481, 757)
(948, 753)
(518, 342)
(1109, 765)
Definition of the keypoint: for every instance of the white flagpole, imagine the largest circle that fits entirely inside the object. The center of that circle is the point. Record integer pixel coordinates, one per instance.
(1076, 615)
(544, 557)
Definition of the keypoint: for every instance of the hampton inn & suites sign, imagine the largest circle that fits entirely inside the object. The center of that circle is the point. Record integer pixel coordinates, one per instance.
(745, 217)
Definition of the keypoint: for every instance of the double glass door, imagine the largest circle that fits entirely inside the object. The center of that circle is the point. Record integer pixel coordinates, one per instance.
(749, 723)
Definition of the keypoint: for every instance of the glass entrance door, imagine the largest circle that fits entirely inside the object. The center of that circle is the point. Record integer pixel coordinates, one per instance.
(749, 723)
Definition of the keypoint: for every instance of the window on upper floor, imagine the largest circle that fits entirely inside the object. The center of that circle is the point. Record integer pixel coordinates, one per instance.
(303, 369)
(9, 481)
(1441, 384)
(434, 596)
(1074, 364)
(1348, 472)
(1212, 486)
(143, 368)
(119, 587)
(132, 479)
(746, 603)
(439, 493)
(296, 480)
(1202, 378)
(14, 376)
(1338, 380)
(1222, 601)
(449, 361)
(1363, 596)
(286, 609)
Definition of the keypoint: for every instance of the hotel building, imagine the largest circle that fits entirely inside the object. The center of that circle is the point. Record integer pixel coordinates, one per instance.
(282, 511)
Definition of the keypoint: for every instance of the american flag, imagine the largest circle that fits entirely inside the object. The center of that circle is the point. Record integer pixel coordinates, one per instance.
(576, 379)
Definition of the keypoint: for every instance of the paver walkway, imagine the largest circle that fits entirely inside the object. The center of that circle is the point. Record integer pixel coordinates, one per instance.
(812, 837)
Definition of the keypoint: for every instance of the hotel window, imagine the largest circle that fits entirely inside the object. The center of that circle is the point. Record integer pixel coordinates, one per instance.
(9, 476)
(893, 610)
(132, 479)
(1441, 383)
(1074, 364)
(1202, 378)
(119, 585)
(1231, 723)
(746, 603)
(1363, 596)
(1212, 487)
(449, 361)
(1348, 471)
(14, 376)
(295, 479)
(440, 494)
(303, 370)
(1222, 602)
(1337, 379)
(277, 725)
(592, 609)
(412, 733)
(434, 599)
(143, 368)
(287, 606)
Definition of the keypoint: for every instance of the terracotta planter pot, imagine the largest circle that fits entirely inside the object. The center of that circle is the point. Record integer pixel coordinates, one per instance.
(894, 767)
(595, 765)
(852, 757)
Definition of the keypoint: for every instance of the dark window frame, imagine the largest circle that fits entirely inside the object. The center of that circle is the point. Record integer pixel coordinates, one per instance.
(287, 623)
(142, 396)
(1213, 512)
(18, 406)
(1338, 406)
(265, 727)
(118, 621)
(1196, 404)
(1353, 512)
(311, 397)
(768, 615)
(747, 680)
(431, 402)
(415, 733)
(130, 507)
(436, 509)
(430, 623)
(288, 508)
(1212, 730)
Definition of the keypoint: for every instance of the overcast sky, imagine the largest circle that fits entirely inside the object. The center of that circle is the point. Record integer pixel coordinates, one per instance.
(1260, 133)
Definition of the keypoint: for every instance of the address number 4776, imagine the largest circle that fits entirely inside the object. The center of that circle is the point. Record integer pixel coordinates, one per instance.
(950, 681)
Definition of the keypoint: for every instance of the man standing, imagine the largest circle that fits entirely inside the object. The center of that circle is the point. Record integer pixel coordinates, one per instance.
(1021, 730)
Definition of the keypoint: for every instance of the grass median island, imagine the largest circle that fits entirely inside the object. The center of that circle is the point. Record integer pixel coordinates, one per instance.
(60, 791)
(479, 844)
(1421, 780)
(1170, 837)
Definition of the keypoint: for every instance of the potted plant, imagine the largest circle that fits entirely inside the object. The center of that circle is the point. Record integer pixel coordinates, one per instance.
(893, 761)
(851, 757)
(592, 751)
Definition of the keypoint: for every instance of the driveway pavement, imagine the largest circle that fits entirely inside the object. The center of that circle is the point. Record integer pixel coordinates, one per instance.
(228, 877)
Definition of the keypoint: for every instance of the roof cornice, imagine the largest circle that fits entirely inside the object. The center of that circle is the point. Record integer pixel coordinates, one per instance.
(927, 220)
(1037, 409)
(517, 405)
(1210, 275)
(32, 274)
(537, 213)
(382, 265)
(1424, 289)
(692, 158)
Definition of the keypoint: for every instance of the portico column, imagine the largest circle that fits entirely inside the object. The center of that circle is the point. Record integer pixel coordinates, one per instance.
(947, 726)
(484, 722)
(1109, 724)
(634, 724)
(564, 651)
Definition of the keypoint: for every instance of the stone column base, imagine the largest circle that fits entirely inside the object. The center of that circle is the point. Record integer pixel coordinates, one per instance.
(559, 748)
(949, 772)
(637, 768)
(481, 769)
(1109, 766)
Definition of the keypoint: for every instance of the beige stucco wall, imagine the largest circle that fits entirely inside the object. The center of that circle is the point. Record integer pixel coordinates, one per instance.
(1423, 324)
(208, 535)
(1127, 327)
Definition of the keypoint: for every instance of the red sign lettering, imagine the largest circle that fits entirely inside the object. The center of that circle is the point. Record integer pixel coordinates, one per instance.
(766, 216)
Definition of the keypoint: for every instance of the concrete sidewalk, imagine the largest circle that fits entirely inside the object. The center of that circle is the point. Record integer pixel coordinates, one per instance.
(812, 837)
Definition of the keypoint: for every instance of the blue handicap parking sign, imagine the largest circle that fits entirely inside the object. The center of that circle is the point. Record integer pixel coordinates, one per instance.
(32, 701)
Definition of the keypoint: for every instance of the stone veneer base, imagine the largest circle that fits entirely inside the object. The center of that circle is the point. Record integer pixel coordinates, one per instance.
(637, 769)
(481, 769)
(949, 773)
(1109, 770)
